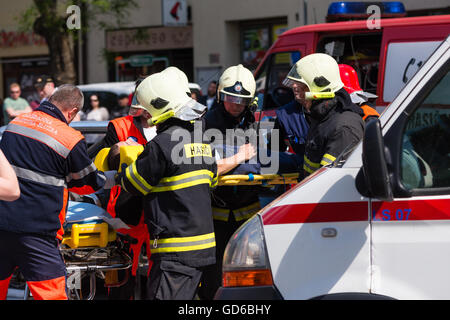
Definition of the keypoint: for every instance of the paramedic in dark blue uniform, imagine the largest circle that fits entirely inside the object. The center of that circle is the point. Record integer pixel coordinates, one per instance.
(49, 159)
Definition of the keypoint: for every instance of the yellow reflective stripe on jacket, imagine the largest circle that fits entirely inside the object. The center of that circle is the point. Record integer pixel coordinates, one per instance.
(327, 159)
(310, 166)
(246, 212)
(220, 214)
(184, 180)
(214, 182)
(239, 214)
(182, 244)
(136, 180)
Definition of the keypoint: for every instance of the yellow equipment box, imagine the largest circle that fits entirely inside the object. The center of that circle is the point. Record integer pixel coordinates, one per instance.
(89, 235)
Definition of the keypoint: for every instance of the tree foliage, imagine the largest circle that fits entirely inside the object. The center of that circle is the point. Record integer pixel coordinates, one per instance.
(48, 18)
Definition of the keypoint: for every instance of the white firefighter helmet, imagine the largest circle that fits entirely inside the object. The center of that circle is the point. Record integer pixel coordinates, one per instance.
(166, 94)
(237, 85)
(319, 72)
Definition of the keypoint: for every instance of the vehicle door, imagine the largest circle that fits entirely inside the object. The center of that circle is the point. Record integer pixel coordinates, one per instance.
(411, 234)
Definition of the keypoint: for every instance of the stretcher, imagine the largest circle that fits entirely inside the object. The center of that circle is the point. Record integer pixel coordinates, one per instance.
(92, 249)
(258, 179)
(128, 154)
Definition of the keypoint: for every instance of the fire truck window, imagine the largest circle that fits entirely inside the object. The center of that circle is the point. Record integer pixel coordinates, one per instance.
(402, 62)
(361, 51)
(269, 81)
(426, 147)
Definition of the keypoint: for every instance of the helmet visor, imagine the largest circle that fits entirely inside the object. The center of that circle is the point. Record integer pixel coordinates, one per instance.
(234, 99)
(190, 110)
(292, 77)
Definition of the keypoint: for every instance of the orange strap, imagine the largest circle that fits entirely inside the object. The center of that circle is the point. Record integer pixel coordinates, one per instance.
(369, 112)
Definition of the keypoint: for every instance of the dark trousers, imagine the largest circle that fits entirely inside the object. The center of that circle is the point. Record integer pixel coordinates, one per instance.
(39, 261)
(212, 275)
(172, 280)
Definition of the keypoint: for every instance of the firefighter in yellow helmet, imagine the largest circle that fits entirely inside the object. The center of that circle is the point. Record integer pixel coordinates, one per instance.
(232, 205)
(175, 177)
(336, 123)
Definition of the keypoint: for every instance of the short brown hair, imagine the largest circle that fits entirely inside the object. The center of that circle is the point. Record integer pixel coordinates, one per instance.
(67, 97)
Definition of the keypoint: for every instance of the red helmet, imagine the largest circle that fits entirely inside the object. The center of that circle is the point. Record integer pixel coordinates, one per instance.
(350, 78)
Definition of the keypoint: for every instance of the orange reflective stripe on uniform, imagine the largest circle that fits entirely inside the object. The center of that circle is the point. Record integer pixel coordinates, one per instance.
(52, 132)
(53, 289)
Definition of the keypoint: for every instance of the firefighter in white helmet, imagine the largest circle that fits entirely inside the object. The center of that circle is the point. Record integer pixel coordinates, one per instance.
(175, 178)
(232, 206)
(335, 122)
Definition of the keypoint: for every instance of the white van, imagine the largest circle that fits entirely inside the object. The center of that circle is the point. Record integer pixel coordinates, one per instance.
(374, 225)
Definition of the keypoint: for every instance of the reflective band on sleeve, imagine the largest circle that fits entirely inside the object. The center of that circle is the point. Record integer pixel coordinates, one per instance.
(82, 173)
(42, 137)
(136, 180)
(214, 182)
(327, 159)
(39, 177)
(220, 214)
(182, 244)
(184, 180)
(310, 166)
(246, 212)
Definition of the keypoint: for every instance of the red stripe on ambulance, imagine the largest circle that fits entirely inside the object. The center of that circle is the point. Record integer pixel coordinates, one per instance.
(317, 212)
(407, 210)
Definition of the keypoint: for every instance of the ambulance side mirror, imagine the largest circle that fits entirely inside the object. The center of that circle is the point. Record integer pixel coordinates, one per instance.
(375, 170)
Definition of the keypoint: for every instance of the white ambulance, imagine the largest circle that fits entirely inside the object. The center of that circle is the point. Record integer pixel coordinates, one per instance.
(374, 225)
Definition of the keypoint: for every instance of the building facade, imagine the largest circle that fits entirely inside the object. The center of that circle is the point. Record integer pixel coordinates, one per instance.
(201, 37)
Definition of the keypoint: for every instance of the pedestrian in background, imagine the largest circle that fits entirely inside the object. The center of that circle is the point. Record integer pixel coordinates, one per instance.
(122, 108)
(50, 159)
(15, 105)
(45, 87)
(209, 99)
(97, 112)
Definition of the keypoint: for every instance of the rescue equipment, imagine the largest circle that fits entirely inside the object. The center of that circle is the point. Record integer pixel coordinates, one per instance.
(92, 248)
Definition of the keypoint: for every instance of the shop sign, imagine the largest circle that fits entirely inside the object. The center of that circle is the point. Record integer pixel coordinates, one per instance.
(148, 39)
(13, 39)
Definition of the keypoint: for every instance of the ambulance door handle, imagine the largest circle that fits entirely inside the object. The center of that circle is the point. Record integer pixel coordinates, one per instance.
(329, 232)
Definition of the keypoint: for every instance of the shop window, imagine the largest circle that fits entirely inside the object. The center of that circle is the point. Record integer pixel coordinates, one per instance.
(257, 39)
